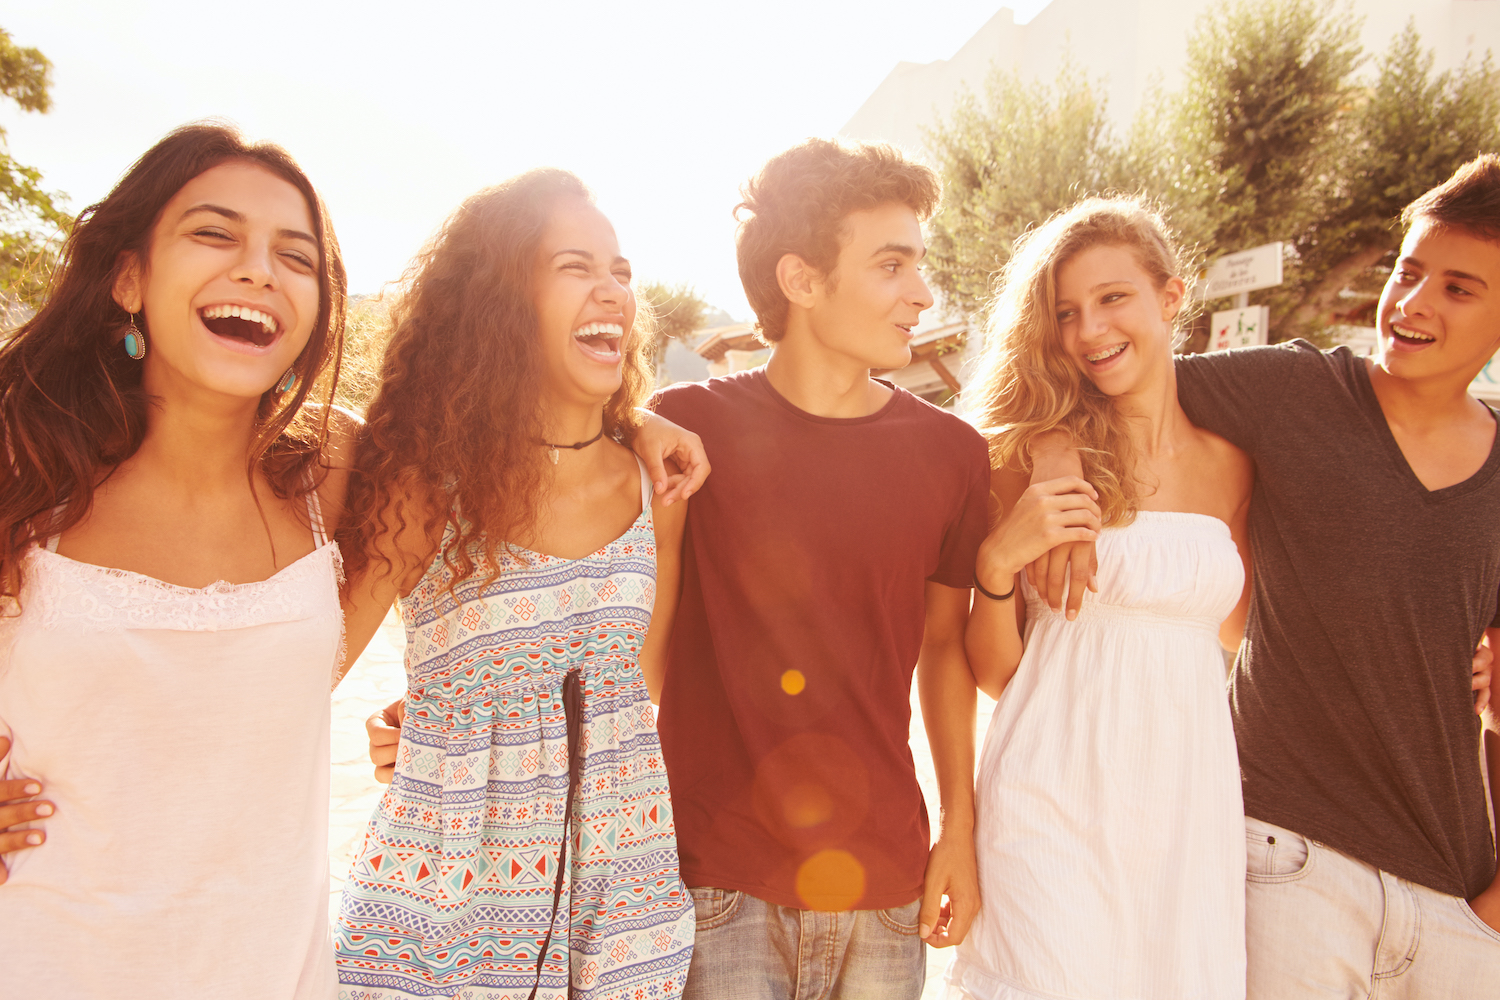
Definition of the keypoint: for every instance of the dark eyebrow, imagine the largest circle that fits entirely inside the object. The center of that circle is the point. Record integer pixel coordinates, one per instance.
(227, 213)
(1466, 276)
(906, 250)
(233, 216)
(1450, 273)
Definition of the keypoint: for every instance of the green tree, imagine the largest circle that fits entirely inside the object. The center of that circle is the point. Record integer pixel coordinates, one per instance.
(1009, 161)
(1272, 137)
(1255, 122)
(677, 312)
(1405, 134)
(30, 219)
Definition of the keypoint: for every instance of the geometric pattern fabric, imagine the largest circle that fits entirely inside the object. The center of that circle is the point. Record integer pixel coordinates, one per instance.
(451, 892)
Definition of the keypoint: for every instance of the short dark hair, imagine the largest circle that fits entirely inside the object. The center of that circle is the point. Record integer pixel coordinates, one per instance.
(798, 203)
(1469, 200)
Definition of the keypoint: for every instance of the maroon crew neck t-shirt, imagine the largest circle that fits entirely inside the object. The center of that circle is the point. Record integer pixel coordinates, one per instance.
(785, 714)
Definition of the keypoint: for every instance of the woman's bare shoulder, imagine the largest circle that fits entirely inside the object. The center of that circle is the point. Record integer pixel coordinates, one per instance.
(1226, 464)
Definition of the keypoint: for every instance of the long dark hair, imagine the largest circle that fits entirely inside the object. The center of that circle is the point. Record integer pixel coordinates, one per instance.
(458, 416)
(71, 401)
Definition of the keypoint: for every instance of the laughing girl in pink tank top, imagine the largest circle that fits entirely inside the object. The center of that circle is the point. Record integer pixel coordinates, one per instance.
(172, 623)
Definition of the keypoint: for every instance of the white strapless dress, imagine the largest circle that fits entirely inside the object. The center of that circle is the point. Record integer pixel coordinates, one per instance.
(1109, 826)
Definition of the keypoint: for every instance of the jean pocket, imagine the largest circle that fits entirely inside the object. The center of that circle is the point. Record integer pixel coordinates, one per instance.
(714, 907)
(1479, 924)
(902, 919)
(1275, 854)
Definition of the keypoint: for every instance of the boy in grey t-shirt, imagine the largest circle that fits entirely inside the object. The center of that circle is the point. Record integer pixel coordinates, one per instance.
(1375, 526)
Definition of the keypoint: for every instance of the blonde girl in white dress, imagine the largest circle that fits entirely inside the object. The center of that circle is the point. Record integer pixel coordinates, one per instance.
(1109, 827)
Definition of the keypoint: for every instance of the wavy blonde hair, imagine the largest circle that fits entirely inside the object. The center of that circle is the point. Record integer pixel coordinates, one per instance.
(1026, 385)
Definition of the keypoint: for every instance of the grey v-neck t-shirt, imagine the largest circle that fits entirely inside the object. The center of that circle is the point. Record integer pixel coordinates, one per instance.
(1351, 694)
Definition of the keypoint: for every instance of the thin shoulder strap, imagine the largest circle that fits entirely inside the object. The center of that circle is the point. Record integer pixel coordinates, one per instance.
(315, 517)
(51, 544)
(645, 485)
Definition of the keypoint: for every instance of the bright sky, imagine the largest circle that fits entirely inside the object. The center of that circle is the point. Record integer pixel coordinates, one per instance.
(399, 110)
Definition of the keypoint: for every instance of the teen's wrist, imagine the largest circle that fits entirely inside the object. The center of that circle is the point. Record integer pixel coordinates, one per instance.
(996, 596)
(957, 820)
(995, 574)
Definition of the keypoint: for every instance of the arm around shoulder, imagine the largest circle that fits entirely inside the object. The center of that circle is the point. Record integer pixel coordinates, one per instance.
(344, 427)
(671, 524)
(1235, 393)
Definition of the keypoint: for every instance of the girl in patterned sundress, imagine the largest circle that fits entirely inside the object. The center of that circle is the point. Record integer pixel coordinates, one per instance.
(525, 847)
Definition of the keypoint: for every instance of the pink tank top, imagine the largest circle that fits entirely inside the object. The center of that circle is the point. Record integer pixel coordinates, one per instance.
(183, 734)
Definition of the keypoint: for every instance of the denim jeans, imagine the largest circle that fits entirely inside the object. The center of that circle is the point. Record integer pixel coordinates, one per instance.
(1320, 924)
(748, 949)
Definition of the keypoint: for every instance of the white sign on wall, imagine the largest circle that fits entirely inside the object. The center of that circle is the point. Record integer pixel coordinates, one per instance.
(1238, 328)
(1246, 271)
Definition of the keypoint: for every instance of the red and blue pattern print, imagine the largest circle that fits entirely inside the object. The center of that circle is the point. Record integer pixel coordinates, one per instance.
(452, 890)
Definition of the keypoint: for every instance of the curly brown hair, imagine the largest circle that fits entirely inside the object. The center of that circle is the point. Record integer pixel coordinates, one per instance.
(71, 401)
(798, 203)
(452, 435)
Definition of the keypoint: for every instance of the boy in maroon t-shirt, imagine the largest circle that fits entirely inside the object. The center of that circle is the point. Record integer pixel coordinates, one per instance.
(830, 554)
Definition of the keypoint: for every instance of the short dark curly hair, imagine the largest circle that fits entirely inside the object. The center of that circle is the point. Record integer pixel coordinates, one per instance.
(798, 203)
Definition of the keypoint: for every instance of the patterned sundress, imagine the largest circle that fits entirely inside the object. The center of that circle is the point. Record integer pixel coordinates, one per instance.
(452, 892)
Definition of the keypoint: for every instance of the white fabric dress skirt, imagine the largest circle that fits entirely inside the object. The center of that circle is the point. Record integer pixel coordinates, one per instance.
(1110, 829)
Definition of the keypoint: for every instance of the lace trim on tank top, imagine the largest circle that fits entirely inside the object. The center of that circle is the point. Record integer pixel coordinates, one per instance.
(59, 591)
(63, 590)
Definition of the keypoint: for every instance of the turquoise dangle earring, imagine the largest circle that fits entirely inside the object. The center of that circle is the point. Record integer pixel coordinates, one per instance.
(135, 341)
(288, 382)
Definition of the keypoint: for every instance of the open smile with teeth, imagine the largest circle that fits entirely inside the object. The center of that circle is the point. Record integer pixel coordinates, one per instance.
(1411, 336)
(240, 323)
(602, 340)
(1098, 357)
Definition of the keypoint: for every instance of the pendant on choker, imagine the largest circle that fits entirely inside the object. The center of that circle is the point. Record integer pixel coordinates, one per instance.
(555, 450)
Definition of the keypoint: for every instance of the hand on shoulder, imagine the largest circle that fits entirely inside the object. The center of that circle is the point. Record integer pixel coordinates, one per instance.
(344, 426)
(339, 450)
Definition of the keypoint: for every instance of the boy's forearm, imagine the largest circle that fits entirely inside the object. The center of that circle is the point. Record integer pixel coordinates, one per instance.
(946, 689)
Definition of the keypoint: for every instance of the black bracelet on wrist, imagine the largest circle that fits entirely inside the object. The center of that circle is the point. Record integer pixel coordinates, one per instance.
(994, 597)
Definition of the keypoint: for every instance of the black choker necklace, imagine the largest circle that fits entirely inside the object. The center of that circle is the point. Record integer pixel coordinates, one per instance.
(554, 454)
